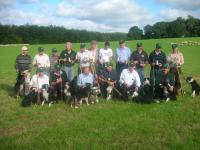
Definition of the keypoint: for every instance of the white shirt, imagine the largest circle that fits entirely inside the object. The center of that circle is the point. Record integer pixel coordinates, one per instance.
(130, 78)
(84, 57)
(105, 56)
(37, 81)
(41, 60)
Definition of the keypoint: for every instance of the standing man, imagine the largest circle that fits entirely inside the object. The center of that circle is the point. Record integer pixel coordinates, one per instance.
(83, 57)
(68, 56)
(122, 57)
(105, 56)
(140, 58)
(53, 59)
(23, 68)
(156, 59)
(130, 81)
(94, 51)
(42, 60)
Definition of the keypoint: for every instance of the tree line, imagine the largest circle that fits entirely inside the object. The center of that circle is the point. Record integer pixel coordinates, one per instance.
(34, 34)
(189, 27)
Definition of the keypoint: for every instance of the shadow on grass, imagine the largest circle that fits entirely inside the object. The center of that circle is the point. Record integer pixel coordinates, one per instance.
(7, 88)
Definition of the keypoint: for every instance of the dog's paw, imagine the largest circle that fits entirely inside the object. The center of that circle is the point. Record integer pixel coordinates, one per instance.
(167, 100)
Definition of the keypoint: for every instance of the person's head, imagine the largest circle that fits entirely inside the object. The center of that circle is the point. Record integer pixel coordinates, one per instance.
(41, 50)
(93, 44)
(174, 48)
(40, 71)
(83, 47)
(158, 47)
(68, 46)
(107, 44)
(24, 50)
(86, 70)
(122, 43)
(165, 69)
(139, 46)
(54, 51)
(109, 67)
(131, 66)
(57, 67)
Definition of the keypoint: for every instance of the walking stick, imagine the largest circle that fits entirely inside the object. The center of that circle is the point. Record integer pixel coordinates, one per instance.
(182, 92)
(38, 92)
(113, 86)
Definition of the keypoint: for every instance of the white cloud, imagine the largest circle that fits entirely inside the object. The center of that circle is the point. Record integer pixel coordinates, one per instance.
(120, 15)
(182, 4)
(172, 14)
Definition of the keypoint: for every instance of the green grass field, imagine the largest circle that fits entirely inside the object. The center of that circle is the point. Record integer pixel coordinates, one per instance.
(107, 125)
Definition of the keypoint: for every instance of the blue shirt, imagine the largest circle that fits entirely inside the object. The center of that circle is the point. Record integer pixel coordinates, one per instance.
(122, 54)
(83, 79)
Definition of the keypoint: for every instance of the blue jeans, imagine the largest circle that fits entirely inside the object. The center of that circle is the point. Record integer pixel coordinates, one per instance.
(70, 72)
(155, 75)
(140, 71)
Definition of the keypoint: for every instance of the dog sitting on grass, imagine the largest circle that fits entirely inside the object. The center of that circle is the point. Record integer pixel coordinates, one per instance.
(195, 86)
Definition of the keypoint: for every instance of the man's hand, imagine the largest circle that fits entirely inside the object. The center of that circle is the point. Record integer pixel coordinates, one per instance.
(59, 80)
(142, 65)
(136, 62)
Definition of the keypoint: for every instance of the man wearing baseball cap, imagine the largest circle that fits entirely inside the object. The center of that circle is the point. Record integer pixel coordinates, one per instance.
(156, 59)
(122, 57)
(58, 80)
(107, 78)
(130, 81)
(37, 81)
(42, 60)
(105, 56)
(53, 59)
(140, 58)
(23, 67)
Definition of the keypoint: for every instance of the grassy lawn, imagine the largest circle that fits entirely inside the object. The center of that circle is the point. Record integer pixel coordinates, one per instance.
(107, 125)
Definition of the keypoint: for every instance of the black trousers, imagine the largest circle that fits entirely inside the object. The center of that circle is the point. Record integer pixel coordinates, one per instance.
(119, 68)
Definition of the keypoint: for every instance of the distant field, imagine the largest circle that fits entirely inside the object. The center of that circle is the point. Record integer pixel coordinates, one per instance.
(107, 125)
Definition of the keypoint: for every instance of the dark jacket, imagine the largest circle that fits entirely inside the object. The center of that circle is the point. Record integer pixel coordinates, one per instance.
(23, 62)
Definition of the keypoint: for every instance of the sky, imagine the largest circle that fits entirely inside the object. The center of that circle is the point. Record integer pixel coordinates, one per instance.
(95, 15)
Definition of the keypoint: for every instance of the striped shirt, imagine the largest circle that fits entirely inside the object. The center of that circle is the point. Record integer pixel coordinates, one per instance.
(157, 57)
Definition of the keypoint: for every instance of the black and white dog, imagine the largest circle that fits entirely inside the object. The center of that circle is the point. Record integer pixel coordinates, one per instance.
(167, 91)
(94, 93)
(195, 86)
(46, 92)
(145, 92)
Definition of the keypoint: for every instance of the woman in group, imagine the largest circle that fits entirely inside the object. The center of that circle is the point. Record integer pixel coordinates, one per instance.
(176, 60)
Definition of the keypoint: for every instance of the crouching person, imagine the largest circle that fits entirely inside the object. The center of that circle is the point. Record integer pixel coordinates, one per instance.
(38, 88)
(84, 84)
(58, 82)
(129, 81)
(108, 81)
(165, 90)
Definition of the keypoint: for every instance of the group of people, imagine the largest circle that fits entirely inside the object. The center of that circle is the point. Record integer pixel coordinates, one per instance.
(95, 68)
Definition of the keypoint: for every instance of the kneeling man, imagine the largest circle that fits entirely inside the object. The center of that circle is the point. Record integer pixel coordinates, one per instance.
(58, 81)
(38, 82)
(129, 81)
(108, 80)
(84, 83)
